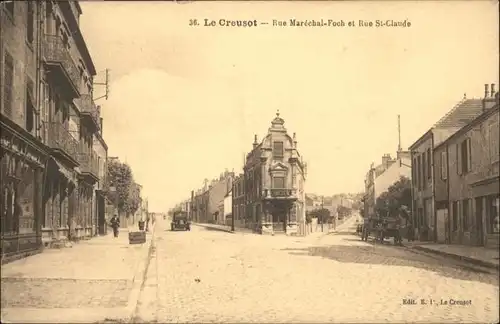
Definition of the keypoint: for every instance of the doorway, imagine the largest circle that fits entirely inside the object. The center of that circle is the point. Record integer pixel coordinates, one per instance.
(479, 221)
(279, 213)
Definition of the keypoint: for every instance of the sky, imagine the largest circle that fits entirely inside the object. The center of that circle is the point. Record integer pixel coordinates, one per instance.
(185, 102)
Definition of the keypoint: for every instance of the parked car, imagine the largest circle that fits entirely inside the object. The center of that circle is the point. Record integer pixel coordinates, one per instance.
(180, 221)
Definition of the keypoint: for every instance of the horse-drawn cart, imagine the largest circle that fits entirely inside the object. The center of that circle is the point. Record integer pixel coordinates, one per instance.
(385, 227)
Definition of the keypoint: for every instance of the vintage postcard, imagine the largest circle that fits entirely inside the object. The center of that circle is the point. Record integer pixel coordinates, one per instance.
(249, 161)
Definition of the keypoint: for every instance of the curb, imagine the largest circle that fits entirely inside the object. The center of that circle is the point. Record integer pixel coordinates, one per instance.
(140, 272)
(214, 228)
(482, 263)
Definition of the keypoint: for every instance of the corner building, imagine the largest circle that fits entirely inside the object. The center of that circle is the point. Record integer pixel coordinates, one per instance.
(274, 180)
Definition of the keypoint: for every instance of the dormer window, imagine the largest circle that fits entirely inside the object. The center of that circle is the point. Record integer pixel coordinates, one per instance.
(278, 150)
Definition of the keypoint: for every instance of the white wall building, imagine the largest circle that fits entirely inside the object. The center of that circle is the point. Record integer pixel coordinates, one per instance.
(228, 205)
(401, 166)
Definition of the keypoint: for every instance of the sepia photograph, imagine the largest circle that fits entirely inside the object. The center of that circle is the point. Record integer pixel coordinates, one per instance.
(249, 161)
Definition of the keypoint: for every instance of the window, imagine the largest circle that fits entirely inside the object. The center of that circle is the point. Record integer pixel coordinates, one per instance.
(26, 202)
(419, 172)
(493, 137)
(464, 164)
(8, 85)
(455, 215)
(444, 166)
(465, 214)
(278, 150)
(414, 172)
(279, 182)
(9, 7)
(30, 22)
(429, 164)
(493, 212)
(424, 167)
(30, 105)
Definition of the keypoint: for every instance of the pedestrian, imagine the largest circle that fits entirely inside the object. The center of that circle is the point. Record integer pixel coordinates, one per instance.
(410, 232)
(366, 228)
(115, 224)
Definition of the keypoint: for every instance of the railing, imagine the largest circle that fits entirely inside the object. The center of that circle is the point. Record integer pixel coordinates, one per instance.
(88, 163)
(61, 139)
(87, 105)
(279, 193)
(55, 50)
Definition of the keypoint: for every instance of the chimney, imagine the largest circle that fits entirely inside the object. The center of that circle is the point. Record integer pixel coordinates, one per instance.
(385, 160)
(492, 90)
(486, 95)
(255, 141)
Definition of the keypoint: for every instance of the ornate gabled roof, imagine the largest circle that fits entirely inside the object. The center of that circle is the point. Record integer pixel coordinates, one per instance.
(277, 122)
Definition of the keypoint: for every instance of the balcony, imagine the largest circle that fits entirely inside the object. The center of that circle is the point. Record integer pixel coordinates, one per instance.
(287, 194)
(63, 144)
(89, 110)
(89, 165)
(60, 64)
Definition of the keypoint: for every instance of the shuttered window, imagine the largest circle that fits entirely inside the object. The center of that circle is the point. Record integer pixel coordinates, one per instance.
(30, 105)
(8, 85)
(30, 22)
(494, 142)
(429, 164)
(444, 166)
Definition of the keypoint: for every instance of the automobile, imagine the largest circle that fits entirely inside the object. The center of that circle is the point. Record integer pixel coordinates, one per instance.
(180, 220)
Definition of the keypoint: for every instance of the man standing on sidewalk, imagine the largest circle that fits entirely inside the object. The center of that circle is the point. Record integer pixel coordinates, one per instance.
(115, 224)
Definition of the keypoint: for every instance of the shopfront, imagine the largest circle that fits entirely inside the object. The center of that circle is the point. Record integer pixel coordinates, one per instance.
(21, 176)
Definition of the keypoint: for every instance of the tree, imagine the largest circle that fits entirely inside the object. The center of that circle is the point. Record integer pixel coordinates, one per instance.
(343, 211)
(391, 202)
(308, 217)
(120, 177)
(322, 214)
(134, 199)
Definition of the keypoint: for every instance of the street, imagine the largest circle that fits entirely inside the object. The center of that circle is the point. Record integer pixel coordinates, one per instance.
(213, 276)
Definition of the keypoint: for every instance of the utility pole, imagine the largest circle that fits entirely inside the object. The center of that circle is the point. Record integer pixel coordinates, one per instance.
(399, 134)
(106, 84)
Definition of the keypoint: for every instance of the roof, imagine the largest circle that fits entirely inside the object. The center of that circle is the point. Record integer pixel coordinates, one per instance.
(474, 122)
(462, 114)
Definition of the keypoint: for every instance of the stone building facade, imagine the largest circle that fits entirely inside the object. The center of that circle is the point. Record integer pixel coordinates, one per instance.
(422, 155)
(238, 201)
(467, 179)
(274, 182)
(48, 122)
(24, 156)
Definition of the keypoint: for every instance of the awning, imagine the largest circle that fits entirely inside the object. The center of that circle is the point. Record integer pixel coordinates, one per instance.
(70, 175)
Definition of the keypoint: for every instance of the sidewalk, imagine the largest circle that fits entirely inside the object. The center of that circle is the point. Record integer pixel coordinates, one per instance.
(92, 281)
(473, 254)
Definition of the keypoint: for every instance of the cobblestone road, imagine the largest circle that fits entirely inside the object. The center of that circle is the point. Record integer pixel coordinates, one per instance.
(212, 276)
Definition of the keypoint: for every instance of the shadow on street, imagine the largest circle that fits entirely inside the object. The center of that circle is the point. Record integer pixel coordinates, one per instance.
(213, 229)
(344, 233)
(389, 255)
